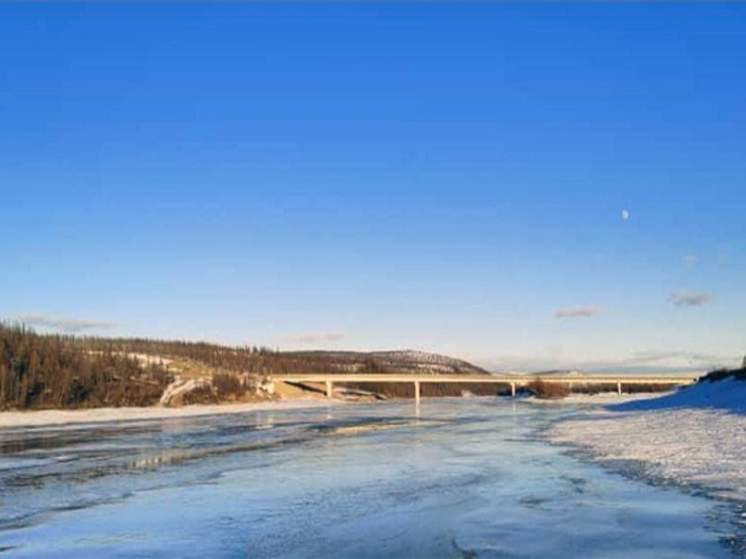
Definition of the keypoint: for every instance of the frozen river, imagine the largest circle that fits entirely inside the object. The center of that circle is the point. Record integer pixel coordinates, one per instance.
(460, 478)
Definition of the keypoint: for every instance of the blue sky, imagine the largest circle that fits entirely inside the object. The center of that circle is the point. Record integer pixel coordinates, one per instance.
(440, 177)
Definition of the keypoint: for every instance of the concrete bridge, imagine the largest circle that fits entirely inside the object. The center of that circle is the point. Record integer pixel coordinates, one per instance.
(514, 381)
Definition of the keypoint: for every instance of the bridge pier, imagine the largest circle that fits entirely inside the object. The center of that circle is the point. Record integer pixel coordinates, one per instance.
(329, 388)
(512, 389)
(619, 388)
(417, 392)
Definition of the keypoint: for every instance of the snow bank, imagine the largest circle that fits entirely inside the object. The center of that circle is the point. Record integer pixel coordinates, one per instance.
(728, 395)
(101, 415)
(694, 437)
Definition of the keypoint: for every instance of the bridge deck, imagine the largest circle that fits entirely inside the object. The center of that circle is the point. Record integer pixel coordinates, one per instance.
(512, 381)
(519, 380)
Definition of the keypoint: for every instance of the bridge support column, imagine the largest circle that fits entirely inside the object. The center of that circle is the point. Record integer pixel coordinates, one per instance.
(619, 388)
(417, 392)
(512, 389)
(329, 388)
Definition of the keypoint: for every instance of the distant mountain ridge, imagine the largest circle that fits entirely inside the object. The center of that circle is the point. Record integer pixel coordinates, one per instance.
(401, 362)
(561, 373)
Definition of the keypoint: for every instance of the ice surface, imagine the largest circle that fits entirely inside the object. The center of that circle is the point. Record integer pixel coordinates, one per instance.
(461, 478)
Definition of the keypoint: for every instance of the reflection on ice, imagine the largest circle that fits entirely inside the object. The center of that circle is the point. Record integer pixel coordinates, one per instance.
(450, 478)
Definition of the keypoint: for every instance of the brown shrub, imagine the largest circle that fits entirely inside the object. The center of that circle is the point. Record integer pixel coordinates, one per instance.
(227, 386)
(646, 387)
(629, 388)
(548, 390)
(592, 388)
(388, 389)
(201, 395)
(436, 389)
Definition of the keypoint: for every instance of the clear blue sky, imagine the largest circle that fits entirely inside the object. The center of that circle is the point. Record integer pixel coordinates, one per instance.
(439, 177)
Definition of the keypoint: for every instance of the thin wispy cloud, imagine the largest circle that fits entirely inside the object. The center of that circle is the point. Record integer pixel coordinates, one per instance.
(577, 312)
(681, 358)
(315, 338)
(663, 361)
(72, 325)
(691, 299)
(690, 260)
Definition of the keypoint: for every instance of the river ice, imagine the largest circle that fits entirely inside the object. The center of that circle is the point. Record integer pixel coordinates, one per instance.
(458, 478)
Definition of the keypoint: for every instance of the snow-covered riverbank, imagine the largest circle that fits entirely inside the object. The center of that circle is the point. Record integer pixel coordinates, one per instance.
(100, 415)
(694, 437)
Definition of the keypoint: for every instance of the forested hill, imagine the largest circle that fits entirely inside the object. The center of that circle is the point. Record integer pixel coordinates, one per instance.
(58, 371)
(45, 371)
(402, 362)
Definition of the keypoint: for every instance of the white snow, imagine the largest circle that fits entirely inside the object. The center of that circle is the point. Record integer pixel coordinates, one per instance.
(727, 395)
(694, 437)
(98, 415)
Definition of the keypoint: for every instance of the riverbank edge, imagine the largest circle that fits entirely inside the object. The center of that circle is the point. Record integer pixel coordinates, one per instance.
(693, 441)
(60, 418)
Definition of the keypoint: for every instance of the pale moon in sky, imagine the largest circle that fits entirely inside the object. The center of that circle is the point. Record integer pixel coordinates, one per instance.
(625, 215)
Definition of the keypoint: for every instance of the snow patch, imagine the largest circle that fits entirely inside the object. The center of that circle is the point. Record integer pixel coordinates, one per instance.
(728, 395)
(695, 437)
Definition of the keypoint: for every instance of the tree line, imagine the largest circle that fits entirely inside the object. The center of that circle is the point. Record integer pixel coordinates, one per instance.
(47, 371)
(243, 360)
(40, 371)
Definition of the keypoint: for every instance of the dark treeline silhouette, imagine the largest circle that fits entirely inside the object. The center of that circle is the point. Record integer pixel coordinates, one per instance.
(47, 371)
(251, 360)
(244, 360)
(722, 374)
(432, 389)
(538, 387)
(628, 388)
(257, 361)
(64, 371)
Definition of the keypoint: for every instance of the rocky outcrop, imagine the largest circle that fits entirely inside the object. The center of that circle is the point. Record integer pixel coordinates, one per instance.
(177, 390)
